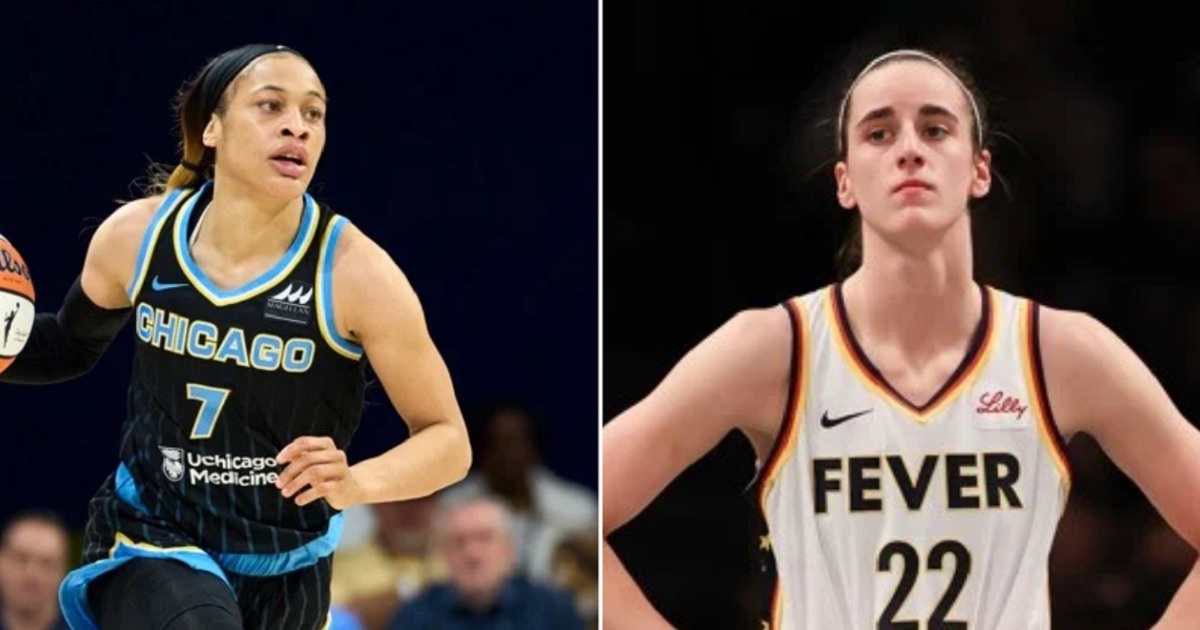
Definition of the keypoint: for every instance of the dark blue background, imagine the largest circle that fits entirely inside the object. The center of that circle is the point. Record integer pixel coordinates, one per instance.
(462, 138)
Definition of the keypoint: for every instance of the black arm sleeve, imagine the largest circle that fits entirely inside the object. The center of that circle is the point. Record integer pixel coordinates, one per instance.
(68, 344)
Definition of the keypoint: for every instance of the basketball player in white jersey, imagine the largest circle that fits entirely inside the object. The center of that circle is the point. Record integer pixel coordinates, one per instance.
(909, 423)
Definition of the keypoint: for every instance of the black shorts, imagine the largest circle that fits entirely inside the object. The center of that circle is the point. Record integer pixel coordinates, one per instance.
(129, 556)
(165, 594)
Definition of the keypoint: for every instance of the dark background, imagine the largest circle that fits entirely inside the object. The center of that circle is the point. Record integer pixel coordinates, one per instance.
(462, 138)
(718, 197)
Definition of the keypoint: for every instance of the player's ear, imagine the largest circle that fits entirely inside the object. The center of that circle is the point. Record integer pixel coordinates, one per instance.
(212, 132)
(981, 181)
(845, 191)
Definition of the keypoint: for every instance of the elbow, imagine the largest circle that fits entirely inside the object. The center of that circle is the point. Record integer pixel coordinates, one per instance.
(80, 365)
(610, 519)
(85, 367)
(461, 456)
(608, 526)
(80, 361)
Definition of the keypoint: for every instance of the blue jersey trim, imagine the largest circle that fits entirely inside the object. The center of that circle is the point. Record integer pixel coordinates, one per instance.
(266, 280)
(148, 241)
(269, 564)
(72, 594)
(127, 490)
(325, 319)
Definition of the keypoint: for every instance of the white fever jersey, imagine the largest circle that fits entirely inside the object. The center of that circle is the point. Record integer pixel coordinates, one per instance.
(887, 515)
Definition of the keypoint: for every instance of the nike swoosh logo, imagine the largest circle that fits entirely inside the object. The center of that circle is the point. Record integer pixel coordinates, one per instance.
(160, 286)
(829, 423)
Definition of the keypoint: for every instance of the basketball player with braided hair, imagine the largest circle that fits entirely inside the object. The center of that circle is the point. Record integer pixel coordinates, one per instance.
(254, 309)
(909, 422)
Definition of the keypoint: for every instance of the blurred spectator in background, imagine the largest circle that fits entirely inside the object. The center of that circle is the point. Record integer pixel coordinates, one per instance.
(485, 590)
(508, 465)
(397, 559)
(576, 568)
(33, 561)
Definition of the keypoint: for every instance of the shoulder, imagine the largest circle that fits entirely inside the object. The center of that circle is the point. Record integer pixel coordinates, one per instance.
(139, 210)
(747, 364)
(752, 347)
(357, 252)
(755, 347)
(754, 330)
(370, 291)
(128, 223)
(1072, 338)
(113, 252)
(1087, 368)
(364, 267)
(776, 327)
(1064, 335)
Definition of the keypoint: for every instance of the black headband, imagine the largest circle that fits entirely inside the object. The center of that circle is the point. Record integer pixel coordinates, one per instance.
(221, 72)
(217, 76)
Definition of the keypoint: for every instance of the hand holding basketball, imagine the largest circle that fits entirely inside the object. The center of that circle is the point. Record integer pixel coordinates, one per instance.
(317, 463)
(16, 303)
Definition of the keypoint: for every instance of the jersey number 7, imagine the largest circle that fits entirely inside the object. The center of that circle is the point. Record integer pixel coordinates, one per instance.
(212, 400)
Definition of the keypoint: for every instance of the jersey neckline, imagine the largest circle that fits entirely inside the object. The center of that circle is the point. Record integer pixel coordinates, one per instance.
(266, 280)
(967, 367)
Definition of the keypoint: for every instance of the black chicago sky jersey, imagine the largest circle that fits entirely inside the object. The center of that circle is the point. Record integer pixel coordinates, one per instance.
(224, 379)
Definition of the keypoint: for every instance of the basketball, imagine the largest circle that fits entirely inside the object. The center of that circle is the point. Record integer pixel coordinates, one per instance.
(16, 303)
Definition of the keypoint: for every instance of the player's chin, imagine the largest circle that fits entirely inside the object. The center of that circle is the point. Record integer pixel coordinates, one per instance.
(286, 186)
(916, 205)
(923, 217)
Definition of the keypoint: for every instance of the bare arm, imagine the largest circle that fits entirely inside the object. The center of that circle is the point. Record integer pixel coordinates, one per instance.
(112, 254)
(734, 379)
(378, 307)
(68, 343)
(1098, 385)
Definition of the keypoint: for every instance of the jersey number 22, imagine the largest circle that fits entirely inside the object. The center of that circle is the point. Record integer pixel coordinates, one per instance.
(910, 565)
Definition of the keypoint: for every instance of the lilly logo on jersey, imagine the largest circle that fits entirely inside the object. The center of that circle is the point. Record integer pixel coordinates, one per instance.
(998, 403)
(291, 304)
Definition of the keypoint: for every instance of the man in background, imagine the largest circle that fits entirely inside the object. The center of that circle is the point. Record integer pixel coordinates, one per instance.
(485, 591)
(33, 562)
(545, 506)
(373, 578)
